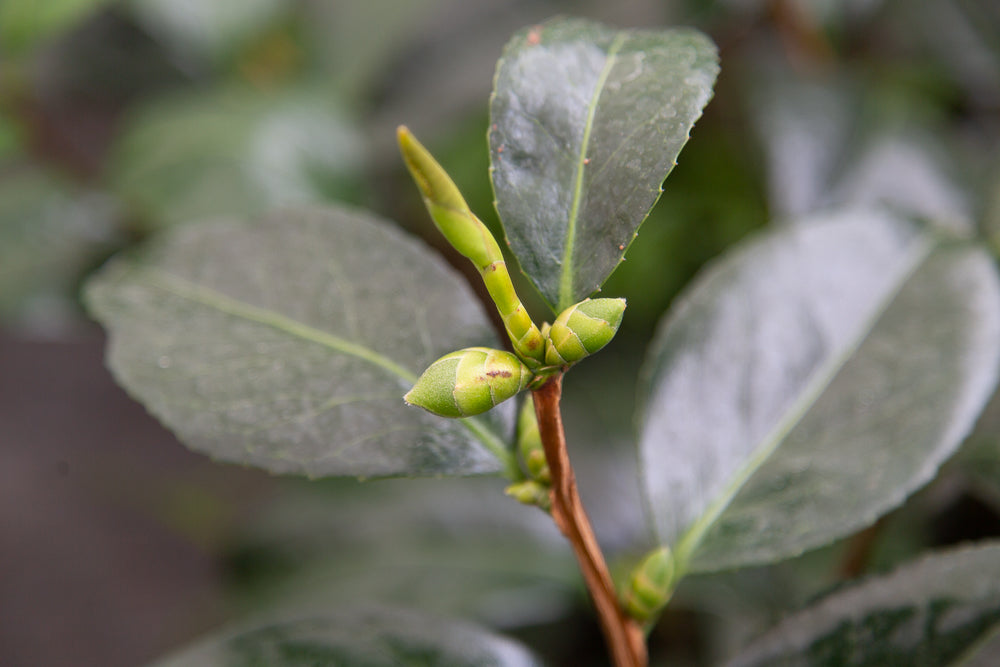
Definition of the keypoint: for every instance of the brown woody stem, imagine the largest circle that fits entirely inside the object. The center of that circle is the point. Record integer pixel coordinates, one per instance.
(624, 635)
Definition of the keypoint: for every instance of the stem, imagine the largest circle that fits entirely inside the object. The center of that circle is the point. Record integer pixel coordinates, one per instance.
(624, 635)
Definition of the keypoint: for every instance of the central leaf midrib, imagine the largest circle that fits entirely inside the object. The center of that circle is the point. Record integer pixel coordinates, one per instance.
(691, 538)
(237, 308)
(566, 276)
(211, 298)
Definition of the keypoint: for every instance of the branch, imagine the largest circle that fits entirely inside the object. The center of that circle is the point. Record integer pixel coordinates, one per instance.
(624, 635)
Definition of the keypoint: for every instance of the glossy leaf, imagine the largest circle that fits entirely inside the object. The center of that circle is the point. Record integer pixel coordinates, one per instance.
(236, 152)
(374, 637)
(586, 122)
(289, 344)
(810, 381)
(942, 610)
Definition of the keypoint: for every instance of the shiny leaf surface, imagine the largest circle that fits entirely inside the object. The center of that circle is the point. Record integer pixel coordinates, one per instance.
(289, 345)
(586, 122)
(810, 381)
(374, 637)
(942, 610)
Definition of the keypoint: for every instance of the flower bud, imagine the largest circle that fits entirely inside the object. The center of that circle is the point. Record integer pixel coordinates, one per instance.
(529, 443)
(469, 382)
(530, 492)
(583, 329)
(650, 585)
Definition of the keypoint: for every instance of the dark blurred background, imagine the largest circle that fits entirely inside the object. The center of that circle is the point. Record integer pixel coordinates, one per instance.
(121, 119)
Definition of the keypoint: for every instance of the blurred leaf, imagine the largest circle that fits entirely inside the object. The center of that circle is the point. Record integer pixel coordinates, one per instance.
(810, 381)
(213, 31)
(803, 127)
(289, 345)
(234, 153)
(370, 636)
(10, 137)
(587, 122)
(456, 547)
(26, 23)
(357, 39)
(50, 234)
(827, 145)
(941, 610)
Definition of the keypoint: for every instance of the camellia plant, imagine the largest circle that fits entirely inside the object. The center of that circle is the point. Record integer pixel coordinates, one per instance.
(802, 387)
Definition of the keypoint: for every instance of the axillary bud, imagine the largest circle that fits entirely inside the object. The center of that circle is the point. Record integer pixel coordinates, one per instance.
(583, 329)
(469, 382)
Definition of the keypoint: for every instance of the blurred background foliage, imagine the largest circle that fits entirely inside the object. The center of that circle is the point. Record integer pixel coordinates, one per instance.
(119, 119)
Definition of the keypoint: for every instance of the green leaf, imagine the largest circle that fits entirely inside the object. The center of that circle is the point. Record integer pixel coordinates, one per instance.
(587, 121)
(289, 344)
(436, 546)
(26, 23)
(941, 610)
(810, 381)
(235, 152)
(373, 637)
(51, 235)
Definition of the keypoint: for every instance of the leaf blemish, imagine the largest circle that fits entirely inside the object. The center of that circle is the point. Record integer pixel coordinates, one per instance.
(502, 374)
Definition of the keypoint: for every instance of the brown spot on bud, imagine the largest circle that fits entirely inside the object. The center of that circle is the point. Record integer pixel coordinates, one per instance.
(499, 374)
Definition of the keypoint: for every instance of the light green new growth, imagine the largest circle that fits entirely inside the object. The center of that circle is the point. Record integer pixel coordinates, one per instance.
(529, 443)
(650, 585)
(473, 240)
(531, 492)
(583, 329)
(469, 382)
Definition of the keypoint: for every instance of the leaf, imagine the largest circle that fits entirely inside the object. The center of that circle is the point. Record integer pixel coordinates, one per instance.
(427, 544)
(51, 234)
(810, 381)
(289, 344)
(26, 23)
(235, 152)
(941, 610)
(374, 637)
(207, 30)
(587, 121)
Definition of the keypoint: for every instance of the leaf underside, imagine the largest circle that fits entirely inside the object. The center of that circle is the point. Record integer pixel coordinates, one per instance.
(586, 122)
(811, 381)
(374, 637)
(941, 610)
(289, 344)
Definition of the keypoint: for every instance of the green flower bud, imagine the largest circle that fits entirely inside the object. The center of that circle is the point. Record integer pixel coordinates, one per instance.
(469, 236)
(650, 585)
(529, 442)
(530, 492)
(583, 329)
(469, 382)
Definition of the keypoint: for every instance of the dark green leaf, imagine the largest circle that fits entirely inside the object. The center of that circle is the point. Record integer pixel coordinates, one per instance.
(448, 546)
(812, 380)
(236, 152)
(289, 345)
(587, 121)
(362, 637)
(942, 610)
